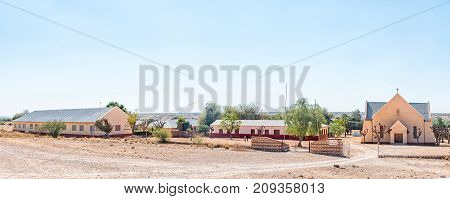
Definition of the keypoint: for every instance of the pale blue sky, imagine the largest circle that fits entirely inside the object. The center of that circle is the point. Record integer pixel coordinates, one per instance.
(44, 66)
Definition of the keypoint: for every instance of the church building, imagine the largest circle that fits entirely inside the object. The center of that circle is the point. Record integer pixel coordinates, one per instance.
(409, 123)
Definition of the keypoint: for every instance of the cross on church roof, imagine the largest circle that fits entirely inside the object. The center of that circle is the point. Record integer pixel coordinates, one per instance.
(397, 90)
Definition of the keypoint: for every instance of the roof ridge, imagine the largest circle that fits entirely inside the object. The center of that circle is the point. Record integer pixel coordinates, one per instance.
(72, 109)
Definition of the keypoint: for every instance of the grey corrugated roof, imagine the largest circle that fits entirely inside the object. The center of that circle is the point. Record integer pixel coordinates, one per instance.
(257, 122)
(374, 107)
(65, 115)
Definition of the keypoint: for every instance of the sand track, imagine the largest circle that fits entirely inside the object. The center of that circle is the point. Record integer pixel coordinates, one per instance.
(43, 157)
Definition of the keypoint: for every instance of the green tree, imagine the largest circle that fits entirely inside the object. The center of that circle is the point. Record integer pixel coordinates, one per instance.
(210, 114)
(203, 129)
(116, 104)
(440, 129)
(317, 119)
(345, 119)
(328, 116)
(298, 119)
(53, 128)
(337, 128)
(230, 122)
(249, 111)
(132, 120)
(355, 122)
(181, 123)
(19, 115)
(104, 126)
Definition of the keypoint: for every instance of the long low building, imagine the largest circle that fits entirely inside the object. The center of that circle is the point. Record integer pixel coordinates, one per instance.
(79, 122)
(267, 128)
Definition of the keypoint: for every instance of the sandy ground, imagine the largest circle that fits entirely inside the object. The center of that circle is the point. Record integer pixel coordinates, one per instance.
(30, 156)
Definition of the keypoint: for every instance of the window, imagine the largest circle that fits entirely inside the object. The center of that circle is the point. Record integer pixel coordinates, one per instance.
(266, 132)
(117, 128)
(220, 131)
(92, 129)
(74, 127)
(381, 132)
(276, 132)
(415, 132)
(36, 126)
(81, 128)
(20, 126)
(31, 126)
(236, 131)
(259, 131)
(252, 132)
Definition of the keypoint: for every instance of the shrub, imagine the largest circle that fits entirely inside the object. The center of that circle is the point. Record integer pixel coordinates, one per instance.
(54, 128)
(162, 135)
(203, 129)
(198, 140)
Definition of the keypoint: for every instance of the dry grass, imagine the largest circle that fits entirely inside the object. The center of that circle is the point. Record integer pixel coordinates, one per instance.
(201, 157)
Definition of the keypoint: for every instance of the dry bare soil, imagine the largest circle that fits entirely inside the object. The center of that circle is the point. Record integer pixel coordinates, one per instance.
(31, 156)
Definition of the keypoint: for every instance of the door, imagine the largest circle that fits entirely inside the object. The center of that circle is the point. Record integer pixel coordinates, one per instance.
(398, 138)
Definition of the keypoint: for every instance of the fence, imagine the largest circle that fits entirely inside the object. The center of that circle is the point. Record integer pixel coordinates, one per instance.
(268, 144)
(335, 147)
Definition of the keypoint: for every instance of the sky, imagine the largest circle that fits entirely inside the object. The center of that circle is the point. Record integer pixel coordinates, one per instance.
(44, 66)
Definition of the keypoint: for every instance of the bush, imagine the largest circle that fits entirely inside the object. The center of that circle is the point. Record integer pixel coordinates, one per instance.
(162, 135)
(203, 129)
(198, 140)
(53, 128)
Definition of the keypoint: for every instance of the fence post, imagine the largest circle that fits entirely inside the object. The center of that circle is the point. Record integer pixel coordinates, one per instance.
(309, 147)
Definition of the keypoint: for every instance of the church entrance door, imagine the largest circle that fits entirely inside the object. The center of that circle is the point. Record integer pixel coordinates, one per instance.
(398, 138)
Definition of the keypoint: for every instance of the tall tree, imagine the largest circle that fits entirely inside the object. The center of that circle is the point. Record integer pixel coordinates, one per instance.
(104, 126)
(210, 114)
(345, 118)
(116, 104)
(298, 118)
(317, 119)
(230, 122)
(328, 116)
(355, 122)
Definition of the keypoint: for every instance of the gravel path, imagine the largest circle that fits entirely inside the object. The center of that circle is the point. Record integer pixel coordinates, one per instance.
(43, 157)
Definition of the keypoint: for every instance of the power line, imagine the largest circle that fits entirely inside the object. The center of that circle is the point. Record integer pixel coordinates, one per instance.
(87, 35)
(362, 35)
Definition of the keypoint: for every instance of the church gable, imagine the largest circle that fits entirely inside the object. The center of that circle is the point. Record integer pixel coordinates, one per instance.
(398, 107)
(373, 108)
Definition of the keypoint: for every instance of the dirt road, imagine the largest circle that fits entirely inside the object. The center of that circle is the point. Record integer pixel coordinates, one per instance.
(43, 157)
